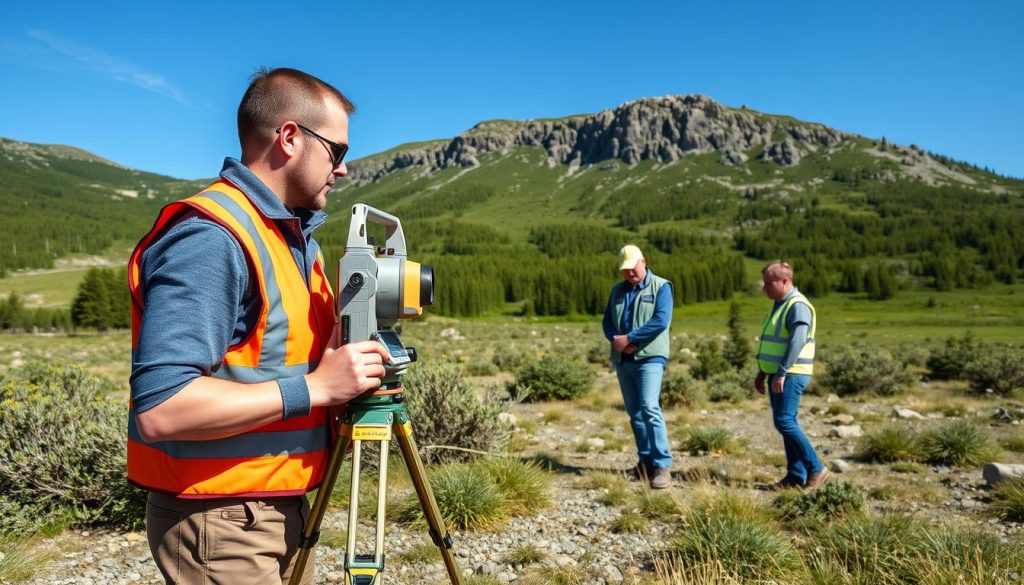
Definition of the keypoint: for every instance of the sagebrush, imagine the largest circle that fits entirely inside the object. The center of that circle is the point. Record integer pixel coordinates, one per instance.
(62, 451)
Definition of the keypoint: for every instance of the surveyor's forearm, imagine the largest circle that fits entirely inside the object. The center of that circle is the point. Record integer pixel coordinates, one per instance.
(210, 408)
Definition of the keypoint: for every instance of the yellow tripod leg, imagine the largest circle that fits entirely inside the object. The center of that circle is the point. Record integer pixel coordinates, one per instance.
(438, 530)
(311, 531)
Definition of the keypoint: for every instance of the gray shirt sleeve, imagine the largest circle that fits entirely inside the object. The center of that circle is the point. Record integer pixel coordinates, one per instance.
(193, 280)
(798, 321)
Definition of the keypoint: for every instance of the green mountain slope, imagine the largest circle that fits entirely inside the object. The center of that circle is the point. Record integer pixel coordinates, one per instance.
(527, 215)
(59, 200)
(693, 182)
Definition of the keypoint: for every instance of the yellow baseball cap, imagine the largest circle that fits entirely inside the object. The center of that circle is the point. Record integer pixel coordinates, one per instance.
(629, 256)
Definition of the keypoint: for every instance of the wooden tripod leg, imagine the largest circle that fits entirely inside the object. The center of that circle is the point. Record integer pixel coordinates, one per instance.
(311, 531)
(438, 531)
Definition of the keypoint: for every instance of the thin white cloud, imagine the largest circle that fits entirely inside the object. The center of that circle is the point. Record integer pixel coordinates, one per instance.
(109, 66)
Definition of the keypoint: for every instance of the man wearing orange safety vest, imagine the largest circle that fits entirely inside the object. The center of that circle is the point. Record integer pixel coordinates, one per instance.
(234, 369)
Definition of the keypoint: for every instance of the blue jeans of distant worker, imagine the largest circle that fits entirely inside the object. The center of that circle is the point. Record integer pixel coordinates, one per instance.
(801, 461)
(640, 383)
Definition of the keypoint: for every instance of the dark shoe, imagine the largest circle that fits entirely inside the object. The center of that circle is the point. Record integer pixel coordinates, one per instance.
(817, 480)
(636, 473)
(785, 483)
(661, 478)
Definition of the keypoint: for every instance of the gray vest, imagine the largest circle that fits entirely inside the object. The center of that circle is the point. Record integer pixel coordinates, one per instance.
(643, 309)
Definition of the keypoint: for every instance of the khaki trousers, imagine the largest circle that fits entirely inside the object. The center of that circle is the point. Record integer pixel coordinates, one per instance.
(226, 541)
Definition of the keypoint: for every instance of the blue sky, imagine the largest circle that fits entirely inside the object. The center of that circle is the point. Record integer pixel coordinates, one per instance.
(154, 86)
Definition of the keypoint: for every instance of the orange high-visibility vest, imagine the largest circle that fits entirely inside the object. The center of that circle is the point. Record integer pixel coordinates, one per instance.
(286, 457)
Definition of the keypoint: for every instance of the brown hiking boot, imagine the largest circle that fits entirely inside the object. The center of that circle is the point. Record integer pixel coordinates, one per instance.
(661, 478)
(783, 484)
(636, 473)
(817, 480)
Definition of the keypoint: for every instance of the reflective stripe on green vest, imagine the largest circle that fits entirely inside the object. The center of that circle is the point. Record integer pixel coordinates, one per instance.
(775, 337)
(642, 313)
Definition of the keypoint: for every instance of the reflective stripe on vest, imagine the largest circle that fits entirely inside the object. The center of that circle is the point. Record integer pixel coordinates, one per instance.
(282, 458)
(775, 337)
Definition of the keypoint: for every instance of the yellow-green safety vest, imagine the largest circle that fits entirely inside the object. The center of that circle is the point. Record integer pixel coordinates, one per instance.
(775, 336)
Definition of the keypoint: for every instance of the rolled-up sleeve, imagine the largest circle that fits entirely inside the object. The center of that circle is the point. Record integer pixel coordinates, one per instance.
(192, 282)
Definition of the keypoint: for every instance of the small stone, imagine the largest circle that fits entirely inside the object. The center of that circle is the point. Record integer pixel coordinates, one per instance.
(840, 466)
(841, 419)
(906, 413)
(846, 431)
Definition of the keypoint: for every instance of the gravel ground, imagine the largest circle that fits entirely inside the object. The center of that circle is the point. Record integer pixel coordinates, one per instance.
(575, 529)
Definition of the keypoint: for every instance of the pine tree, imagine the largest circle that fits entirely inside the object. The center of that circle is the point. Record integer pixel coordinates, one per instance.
(92, 304)
(737, 347)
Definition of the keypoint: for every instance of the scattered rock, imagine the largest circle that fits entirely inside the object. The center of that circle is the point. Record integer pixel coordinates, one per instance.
(846, 431)
(841, 419)
(906, 413)
(840, 466)
(994, 473)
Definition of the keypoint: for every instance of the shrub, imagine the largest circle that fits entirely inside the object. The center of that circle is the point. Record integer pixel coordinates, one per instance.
(709, 440)
(466, 496)
(710, 360)
(831, 500)
(599, 354)
(680, 389)
(62, 451)
(508, 359)
(957, 443)
(445, 410)
(861, 369)
(950, 362)
(481, 369)
(1000, 370)
(1008, 500)
(730, 386)
(551, 377)
(888, 445)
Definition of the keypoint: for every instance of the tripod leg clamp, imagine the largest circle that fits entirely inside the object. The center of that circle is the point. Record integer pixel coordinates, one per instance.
(438, 541)
(309, 542)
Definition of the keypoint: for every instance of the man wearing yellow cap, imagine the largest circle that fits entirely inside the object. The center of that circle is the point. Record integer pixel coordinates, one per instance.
(636, 322)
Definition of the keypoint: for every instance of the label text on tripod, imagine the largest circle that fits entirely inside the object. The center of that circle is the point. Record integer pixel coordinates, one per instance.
(371, 433)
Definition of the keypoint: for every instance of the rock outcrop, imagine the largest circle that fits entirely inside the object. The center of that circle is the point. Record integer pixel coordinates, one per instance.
(661, 129)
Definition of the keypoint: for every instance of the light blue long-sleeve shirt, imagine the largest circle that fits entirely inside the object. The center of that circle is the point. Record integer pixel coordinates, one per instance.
(198, 298)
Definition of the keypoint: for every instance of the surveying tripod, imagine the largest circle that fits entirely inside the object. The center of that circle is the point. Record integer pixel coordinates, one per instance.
(374, 417)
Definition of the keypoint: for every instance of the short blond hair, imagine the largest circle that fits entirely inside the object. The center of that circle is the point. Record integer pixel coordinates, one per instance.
(777, 270)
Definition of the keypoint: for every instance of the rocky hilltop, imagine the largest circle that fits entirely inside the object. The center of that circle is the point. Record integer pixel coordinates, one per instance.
(661, 129)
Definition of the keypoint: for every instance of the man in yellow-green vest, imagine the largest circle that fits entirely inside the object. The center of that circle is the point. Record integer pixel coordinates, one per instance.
(785, 362)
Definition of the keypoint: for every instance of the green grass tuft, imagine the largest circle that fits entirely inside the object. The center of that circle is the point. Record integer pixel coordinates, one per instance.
(709, 440)
(466, 496)
(1008, 500)
(889, 445)
(958, 443)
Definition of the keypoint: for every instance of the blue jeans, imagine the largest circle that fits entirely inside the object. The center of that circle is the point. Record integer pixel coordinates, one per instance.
(801, 461)
(640, 383)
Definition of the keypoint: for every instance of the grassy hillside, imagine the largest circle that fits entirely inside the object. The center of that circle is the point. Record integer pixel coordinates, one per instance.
(512, 228)
(59, 200)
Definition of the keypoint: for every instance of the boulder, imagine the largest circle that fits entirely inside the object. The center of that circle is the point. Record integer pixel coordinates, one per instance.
(994, 473)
